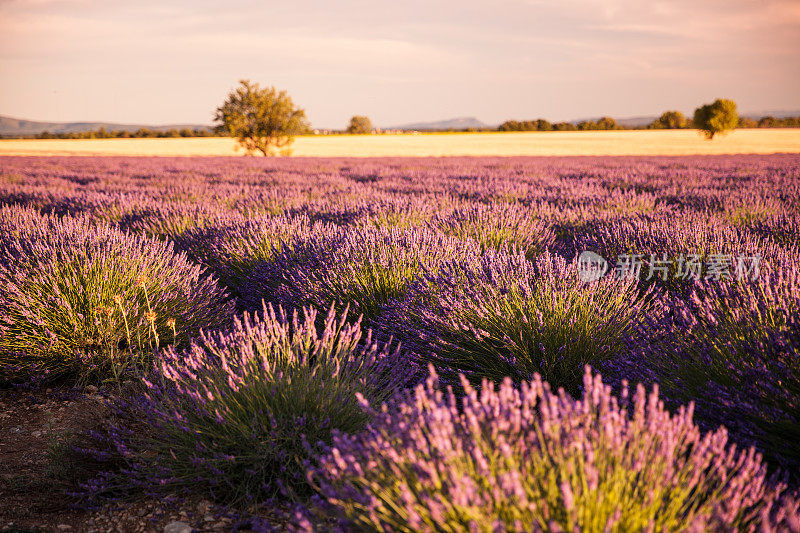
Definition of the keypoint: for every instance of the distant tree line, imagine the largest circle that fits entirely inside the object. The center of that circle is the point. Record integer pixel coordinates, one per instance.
(605, 123)
(770, 122)
(102, 133)
(668, 120)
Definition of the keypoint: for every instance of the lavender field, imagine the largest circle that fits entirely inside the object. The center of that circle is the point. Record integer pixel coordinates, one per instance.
(403, 344)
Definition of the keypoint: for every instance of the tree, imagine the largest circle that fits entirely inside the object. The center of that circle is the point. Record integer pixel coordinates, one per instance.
(745, 122)
(608, 123)
(669, 120)
(539, 124)
(604, 123)
(510, 125)
(768, 122)
(716, 118)
(564, 126)
(261, 119)
(360, 124)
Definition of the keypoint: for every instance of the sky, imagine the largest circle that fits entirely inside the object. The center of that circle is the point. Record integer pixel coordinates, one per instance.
(167, 62)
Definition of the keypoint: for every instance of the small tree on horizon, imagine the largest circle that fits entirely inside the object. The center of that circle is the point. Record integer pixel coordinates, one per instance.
(608, 123)
(670, 120)
(716, 118)
(262, 119)
(360, 124)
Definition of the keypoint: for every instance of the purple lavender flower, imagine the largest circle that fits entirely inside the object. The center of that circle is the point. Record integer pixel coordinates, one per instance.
(362, 268)
(233, 246)
(499, 315)
(529, 459)
(498, 226)
(78, 296)
(733, 347)
(236, 414)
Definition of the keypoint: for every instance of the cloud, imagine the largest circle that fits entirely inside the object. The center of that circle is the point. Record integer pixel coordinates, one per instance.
(559, 59)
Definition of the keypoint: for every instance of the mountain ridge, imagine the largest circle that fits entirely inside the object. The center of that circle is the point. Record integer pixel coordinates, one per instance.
(458, 123)
(19, 126)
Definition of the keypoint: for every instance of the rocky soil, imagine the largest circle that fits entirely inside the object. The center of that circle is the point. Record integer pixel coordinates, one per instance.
(39, 470)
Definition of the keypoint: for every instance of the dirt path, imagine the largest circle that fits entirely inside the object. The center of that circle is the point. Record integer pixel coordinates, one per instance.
(38, 470)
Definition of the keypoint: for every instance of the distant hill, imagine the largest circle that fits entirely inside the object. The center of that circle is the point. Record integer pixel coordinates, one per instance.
(16, 126)
(635, 122)
(783, 113)
(460, 123)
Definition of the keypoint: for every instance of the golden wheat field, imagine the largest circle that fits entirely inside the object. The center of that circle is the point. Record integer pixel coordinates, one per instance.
(640, 142)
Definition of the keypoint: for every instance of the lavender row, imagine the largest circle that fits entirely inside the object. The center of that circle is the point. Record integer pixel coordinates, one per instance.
(465, 264)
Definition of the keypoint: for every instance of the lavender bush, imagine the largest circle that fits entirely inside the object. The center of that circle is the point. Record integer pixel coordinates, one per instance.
(734, 349)
(238, 413)
(659, 240)
(529, 459)
(498, 226)
(442, 253)
(364, 268)
(232, 247)
(398, 211)
(500, 315)
(780, 226)
(158, 218)
(77, 297)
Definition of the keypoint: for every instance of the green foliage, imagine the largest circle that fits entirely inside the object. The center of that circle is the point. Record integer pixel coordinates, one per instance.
(510, 125)
(528, 459)
(503, 315)
(102, 133)
(716, 118)
(737, 360)
(669, 120)
(263, 120)
(359, 124)
(526, 125)
(498, 226)
(364, 268)
(745, 122)
(604, 123)
(772, 122)
(608, 123)
(768, 122)
(231, 248)
(564, 126)
(240, 411)
(89, 302)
